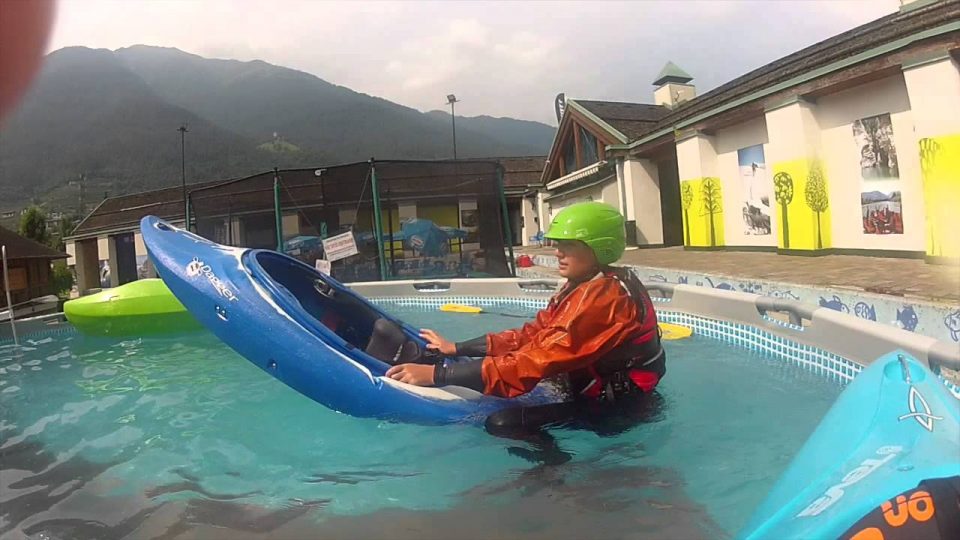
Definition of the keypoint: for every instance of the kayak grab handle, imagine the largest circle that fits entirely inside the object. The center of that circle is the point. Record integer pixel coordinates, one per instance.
(541, 285)
(664, 290)
(944, 355)
(796, 312)
(432, 286)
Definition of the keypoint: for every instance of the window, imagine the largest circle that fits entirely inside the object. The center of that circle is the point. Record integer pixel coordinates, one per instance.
(569, 157)
(588, 148)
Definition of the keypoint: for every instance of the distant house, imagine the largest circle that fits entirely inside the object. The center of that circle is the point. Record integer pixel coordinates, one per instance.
(28, 266)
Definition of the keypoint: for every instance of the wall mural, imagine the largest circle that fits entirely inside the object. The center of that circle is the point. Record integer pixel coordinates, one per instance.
(880, 205)
(802, 200)
(702, 204)
(940, 166)
(756, 190)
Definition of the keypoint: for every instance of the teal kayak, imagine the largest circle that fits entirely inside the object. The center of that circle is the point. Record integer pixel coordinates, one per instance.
(894, 427)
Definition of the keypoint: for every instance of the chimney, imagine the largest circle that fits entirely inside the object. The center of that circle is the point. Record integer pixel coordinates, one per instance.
(673, 86)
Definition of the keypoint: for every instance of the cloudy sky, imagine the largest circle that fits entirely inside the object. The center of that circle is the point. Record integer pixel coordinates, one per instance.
(500, 58)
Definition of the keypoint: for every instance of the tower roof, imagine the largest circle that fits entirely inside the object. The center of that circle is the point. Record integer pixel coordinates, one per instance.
(672, 73)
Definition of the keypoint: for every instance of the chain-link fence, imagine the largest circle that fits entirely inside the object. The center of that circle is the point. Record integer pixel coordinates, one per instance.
(408, 219)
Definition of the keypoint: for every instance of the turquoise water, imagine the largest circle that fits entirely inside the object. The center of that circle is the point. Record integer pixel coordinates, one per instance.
(179, 437)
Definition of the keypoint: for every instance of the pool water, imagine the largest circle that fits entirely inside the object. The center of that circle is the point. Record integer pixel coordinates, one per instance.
(179, 437)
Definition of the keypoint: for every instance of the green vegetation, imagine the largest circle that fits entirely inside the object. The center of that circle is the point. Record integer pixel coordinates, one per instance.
(112, 116)
(33, 225)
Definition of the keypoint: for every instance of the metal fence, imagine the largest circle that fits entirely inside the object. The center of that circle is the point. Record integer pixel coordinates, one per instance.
(408, 219)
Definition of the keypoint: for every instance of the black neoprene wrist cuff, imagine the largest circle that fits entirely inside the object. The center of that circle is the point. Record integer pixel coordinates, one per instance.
(466, 373)
(476, 347)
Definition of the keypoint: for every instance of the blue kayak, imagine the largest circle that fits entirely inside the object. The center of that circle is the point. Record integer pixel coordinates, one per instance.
(893, 427)
(304, 328)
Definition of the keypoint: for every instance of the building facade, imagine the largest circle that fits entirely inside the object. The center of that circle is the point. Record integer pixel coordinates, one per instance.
(849, 146)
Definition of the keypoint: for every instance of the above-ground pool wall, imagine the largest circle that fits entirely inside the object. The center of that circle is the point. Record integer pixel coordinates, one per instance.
(801, 331)
(937, 320)
(859, 340)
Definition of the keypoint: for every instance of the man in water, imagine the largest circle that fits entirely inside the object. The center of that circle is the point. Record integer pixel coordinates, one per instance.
(599, 331)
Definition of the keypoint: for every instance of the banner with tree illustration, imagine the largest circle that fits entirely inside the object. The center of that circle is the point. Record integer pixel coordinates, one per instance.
(702, 203)
(940, 166)
(801, 199)
(880, 207)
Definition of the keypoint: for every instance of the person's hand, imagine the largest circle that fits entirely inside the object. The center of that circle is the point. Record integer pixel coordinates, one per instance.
(418, 374)
(438, 342)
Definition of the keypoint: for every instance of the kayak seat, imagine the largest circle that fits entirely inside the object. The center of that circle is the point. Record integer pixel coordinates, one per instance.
(389, 343)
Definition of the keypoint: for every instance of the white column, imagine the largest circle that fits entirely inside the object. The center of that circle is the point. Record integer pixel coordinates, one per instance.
(141, 251)
(113, 261)
(87, 265)
(531, 221)
(933, 87)
(696, 162)
(641, 182)
(794, 150)
(696, 156)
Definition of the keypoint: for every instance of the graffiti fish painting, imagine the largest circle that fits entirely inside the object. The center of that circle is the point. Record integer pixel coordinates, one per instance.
(784, 294)
(865, 311)
(952, 322)
(835, 304)
(721, 286)
(907, 318)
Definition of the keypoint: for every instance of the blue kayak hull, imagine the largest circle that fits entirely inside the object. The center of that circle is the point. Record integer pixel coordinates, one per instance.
(263, 305)
(895, 425)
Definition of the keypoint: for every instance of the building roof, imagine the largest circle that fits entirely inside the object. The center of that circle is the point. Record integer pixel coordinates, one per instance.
(520, 172)
(874, 34)
(630, 119)
(19, 247)
(672, 73)
(127, 210)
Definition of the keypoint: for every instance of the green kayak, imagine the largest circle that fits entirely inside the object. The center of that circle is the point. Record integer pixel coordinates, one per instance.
(138, 308)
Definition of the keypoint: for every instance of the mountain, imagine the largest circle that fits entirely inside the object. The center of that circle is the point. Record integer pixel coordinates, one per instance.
(519, 133)
(869, 197)
(112, 116)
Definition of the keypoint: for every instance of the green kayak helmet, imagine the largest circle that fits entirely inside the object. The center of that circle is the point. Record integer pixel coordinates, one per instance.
(596, 224)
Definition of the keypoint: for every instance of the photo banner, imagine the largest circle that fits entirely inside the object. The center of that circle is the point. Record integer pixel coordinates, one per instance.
(881, 210)
(757, 188)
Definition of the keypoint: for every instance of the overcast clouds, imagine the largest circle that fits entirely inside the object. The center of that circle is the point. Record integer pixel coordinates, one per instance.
(501, 59)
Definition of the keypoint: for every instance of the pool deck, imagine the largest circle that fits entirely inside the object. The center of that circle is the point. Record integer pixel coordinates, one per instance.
(895, 277)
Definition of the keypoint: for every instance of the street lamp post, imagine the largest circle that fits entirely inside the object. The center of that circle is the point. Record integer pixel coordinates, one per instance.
(452, 100)
(183, 173)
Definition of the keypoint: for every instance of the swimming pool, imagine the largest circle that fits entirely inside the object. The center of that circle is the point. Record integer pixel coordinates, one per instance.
(180, 435)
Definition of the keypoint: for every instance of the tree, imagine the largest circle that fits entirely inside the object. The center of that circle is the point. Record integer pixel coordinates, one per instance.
(710, 192)
(33, 225)
(929, 149)
(686, 199)
(65, 227)
(816, 195)
(783, 193)
(61, 279)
